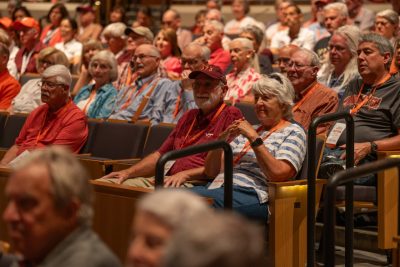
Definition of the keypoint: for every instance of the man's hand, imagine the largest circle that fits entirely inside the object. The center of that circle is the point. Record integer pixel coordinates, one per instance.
(187, 84)
(361, 150)
(121, 176)
(175, 180)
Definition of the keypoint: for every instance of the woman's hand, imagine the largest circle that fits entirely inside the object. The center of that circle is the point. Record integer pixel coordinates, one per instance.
(240, 126)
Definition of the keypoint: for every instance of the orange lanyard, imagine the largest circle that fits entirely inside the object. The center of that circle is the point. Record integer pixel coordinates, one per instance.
(247, 145)
(358, 106)
(40, 134)
(308, 94)
(195, 137)
(132, 91)
(177, 106)
(92, 95)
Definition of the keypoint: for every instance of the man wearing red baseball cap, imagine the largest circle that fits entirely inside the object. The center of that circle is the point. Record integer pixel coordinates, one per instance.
(88, 29)
(29, 31)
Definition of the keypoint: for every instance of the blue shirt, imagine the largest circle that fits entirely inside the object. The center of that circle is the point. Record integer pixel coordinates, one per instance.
(159, 108)
(102, 105)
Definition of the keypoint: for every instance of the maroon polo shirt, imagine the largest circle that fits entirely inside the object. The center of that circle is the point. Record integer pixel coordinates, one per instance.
(179, 137)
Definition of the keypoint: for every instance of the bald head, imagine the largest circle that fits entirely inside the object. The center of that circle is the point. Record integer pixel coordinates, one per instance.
(171, 19)
(284, 55)
(194, 56)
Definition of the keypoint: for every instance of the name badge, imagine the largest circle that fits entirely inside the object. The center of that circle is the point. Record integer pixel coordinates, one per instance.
(217, 183)
(335, 134)
(168, 165)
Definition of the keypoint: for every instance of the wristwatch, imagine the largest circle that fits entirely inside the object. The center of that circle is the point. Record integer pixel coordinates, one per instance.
(257, 142)
(374, 147)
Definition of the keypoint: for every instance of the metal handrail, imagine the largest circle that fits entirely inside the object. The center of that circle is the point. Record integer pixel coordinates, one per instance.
(228, 165)
(345, 177)
(311, 178)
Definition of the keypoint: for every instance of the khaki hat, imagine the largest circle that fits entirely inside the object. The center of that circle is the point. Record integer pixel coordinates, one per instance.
(141, 31)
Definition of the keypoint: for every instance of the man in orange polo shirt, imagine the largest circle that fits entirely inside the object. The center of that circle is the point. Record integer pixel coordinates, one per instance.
(57, 122)
(312, 98)
(9, 86)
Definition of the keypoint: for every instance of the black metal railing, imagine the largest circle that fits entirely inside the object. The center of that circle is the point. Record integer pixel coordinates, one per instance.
(340, 178)
(311, 177)
(228, 165)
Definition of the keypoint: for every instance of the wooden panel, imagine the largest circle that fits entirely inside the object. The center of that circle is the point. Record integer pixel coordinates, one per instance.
(4, 175)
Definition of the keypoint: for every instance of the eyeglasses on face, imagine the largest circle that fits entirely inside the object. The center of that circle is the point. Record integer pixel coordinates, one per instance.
(49, 85)
(141, 57)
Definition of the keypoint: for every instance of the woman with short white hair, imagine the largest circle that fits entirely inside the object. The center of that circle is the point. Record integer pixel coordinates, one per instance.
(97, 100)
(387, 24)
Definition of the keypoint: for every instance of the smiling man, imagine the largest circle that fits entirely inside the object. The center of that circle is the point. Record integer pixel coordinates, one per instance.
(195, 127)
(58, 122)
(312, 98)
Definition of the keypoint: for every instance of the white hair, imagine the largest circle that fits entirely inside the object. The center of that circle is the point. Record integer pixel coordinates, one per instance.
(311, 55)
(339, 7)
(217, 25)
(215, 14)
(60, 72)
(173, 207)
(205, 51)
(389, 14)
(278, 85)
(69, 180)
(109, 58)
(116, 30)
(246, 43)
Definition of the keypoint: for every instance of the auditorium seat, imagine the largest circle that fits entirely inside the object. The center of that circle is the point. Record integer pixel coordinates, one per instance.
(248, 112)
(10, 132)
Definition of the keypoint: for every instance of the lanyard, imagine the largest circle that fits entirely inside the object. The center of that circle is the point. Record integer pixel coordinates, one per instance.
(43, 133)
(92, 95)
(194, 138)
(308, 94)
(357, 106)
(177, 105)
(132, 91)
(247, 145)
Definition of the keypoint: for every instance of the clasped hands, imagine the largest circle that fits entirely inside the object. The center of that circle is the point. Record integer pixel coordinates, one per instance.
(238, 127)
(361, 150)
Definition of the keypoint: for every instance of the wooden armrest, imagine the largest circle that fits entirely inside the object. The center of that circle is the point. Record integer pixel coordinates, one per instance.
(122, 161)
(293, 183)
(387, 153)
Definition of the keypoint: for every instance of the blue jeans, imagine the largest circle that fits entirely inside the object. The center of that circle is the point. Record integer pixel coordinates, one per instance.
(245, 201)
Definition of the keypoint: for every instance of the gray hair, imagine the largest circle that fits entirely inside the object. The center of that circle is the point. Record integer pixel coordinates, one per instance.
(153, 50)
(214, 12)
(108, 57)
(216, 24)
(256, 31)
(311, 55)
(116, 30)
(389, 14)
(60, 72)
(205, 51)
(384, 46)
(216, 240)
(4, 51)
(173, 207)
(278, 85)
(69, 180)
(5, 38)
(246, 43)
(339, 7)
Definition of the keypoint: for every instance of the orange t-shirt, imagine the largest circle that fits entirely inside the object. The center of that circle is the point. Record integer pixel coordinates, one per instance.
(9, 88)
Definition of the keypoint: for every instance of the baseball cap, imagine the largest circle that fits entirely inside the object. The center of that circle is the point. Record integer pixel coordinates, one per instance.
(141, 31)
(26, 22)
(85, 8)
(211, 71)
(6, 22)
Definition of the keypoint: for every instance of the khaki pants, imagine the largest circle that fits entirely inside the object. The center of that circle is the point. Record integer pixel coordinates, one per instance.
(140, 182)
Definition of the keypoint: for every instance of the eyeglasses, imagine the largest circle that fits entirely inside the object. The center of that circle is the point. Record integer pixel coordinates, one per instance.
(296, 65)
(47, 62)
(141, 57)
(188, 61)
(48, 84)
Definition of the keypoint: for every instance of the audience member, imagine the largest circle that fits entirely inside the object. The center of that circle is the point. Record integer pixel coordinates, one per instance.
(273, 150)
(195, 127)
(213, 4)
(317, 26)
(89, 49)
(167, 44)
(341, 67)
(11, 6)
(88, 29)
(395, 65)
(243, 76)
(144, 18)
(284, 56)
(49, 213)
(97, 100)
(230, 241)
(172, 19)
(194, 57)
(117, 14)
(261, 63)
(360, 16)
(136, 37)
(213, 34)
(69, 45)
(57, 122)
(19, 13)
(115, 37)
(6, 40)
(148, 96)
(215, 14)
(199, 20)
(335, 16)
(51, 33)
(29, 98)
(373, 100)
(9, 86)
(387, 24)
(29, 30)
(240, 11)
(159, 215)
(295, 34)
(313, 99)
(280, 24)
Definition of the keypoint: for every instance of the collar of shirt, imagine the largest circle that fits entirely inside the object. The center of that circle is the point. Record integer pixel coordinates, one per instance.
(140, 81)
(305, 91)
(204, 120)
